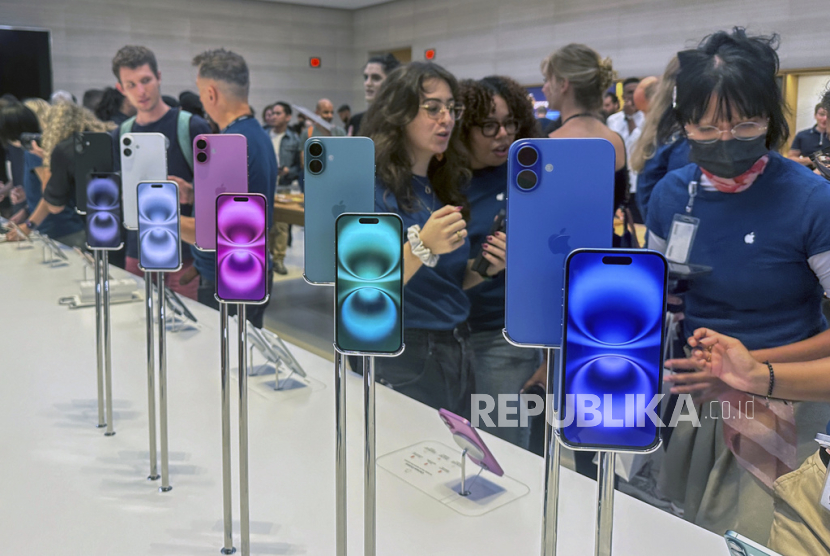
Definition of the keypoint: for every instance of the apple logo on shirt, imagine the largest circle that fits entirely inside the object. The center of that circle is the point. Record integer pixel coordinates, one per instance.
(500, 197)
(749, 238)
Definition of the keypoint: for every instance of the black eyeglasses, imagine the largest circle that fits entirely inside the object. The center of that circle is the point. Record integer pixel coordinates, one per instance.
(490, 128)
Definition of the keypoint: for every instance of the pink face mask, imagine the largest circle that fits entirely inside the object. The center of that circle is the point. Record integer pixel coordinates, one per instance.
(738, 183)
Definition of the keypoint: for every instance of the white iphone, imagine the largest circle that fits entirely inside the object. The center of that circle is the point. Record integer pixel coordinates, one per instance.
(143, 158)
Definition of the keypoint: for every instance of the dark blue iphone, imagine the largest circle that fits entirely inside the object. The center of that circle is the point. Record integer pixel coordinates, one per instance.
(368, 287)
(612, 354)
(560, 197)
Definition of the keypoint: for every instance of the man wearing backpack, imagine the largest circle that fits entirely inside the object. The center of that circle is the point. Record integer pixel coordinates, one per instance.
(139, 80)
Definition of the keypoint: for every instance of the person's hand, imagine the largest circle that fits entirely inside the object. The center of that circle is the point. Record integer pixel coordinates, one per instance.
(20, 216)
(185, 190)
(13, 234)
(445, 230)
(18, 195)
(284, 171)
(494, 250)
(729, 360)
(540, 377)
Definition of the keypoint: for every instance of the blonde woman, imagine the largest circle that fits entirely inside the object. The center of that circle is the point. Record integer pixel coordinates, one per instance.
(56, 151)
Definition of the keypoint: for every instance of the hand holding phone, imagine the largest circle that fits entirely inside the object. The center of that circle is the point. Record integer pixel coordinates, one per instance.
(480, 264)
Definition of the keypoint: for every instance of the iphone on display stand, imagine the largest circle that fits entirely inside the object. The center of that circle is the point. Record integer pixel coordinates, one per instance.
(93, 154)
(741, 546)
(143, 158)
(468, 439)
(241, 249)
(159, 237)
(339, 177)
(560, 198)
(368, 288)
(612, 353)
(103, 212)
(220, 166)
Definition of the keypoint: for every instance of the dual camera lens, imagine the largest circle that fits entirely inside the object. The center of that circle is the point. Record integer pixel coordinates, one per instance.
(201, 145)
(527, 156)
(127, 142)
(315, 165)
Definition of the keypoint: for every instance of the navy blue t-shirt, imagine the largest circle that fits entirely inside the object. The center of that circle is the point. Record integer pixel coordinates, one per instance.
(262, 178)
(55, 226)
(177, 165)
(487, 195)
(434, 298)
(758, 242)
(669, 157)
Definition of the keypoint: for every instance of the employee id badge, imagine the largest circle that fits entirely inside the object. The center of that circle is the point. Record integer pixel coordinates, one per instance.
(824, 441)
(681, 238)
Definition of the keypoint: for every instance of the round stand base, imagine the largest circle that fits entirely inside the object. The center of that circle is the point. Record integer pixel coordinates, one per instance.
(153, 477)
(109, 433)
(100, 425)
(230, 550)
(467, 493)
(165, 489)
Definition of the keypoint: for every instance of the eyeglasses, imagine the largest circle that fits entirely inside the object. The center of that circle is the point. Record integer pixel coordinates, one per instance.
(744, 131)
(490, 128)
(435, 109)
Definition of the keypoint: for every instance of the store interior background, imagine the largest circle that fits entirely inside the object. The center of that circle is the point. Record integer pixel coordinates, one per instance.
(471, 38)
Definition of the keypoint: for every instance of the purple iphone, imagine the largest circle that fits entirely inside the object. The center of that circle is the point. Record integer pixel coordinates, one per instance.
(467, 438)
(220, 165)
(241, 250)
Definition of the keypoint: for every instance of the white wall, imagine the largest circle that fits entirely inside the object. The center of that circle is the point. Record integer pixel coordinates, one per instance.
(474, 38)
(275, 39)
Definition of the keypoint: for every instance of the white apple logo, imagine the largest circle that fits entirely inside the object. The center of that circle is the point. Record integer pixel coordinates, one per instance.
(749, 238)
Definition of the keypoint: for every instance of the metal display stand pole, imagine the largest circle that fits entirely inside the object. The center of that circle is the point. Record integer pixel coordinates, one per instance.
(244, 523)
(165, 474)
(369, 484)
(99, 343)
(151, 383)
(340, 450)
(227, 547)
(105, 273)
(464, 491)
(605, 504)
(550, 509)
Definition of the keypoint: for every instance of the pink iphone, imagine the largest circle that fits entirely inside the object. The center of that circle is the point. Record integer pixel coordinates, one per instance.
(241, 248)
(220, 165)
(467, 438)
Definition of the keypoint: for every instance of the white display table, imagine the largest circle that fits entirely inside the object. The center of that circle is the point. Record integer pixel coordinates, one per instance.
(66, 489)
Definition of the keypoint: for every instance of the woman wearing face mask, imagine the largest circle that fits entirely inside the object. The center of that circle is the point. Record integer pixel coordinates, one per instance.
(764, 228)
(420, 168)
(496, 113)
(374, 74)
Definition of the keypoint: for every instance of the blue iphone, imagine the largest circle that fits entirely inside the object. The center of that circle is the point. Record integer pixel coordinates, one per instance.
(369, 285)
(339, 177)
(159, 224)
(560, 198)
(612, 353)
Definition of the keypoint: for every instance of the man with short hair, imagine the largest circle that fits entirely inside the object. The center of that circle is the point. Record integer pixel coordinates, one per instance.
(610, 104)
(810, 140)
(139, 79)
(287, 145)
(325, 109)
(628, 123)
(223, 82)
(345, 113)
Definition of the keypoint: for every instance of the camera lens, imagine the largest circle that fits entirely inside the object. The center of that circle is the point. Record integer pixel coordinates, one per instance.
(201, 144)
(527, 156)
(527, 179)
(127, 152)
(315, 149)
(127, 141)
(79, 148)
(315, 166)
(201, 157)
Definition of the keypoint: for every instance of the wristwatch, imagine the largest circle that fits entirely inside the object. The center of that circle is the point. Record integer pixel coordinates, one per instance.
(413, 233)
(31, 225)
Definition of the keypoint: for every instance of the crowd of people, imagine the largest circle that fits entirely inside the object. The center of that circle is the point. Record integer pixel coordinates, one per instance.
(701, 140)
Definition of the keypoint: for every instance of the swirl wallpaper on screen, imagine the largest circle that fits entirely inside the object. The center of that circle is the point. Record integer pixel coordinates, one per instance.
(158, 226)
(613, 346)
(369, 283)
(241, 234)
(103, 217)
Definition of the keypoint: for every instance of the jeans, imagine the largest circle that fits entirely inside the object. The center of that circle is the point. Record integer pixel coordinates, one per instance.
(436, 368)
(255, 313)
(502, 368)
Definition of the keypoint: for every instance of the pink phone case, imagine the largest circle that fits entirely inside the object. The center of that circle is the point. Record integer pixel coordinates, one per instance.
(460, 426)
(220, 165)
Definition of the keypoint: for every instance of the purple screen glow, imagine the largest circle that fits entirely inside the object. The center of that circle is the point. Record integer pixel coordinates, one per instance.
(241, 247)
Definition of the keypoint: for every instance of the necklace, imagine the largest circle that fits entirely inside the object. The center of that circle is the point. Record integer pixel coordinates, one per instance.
(427, 189)
(580, 115)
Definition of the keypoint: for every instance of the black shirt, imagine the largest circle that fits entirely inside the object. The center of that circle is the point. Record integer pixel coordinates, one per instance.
(354, 123)
(809, 141)
(60, 189)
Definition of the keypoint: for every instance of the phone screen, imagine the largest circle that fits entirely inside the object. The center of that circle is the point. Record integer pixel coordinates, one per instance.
(103, 218)
(612, 349)
(241, 257)
(369, 283)
(158, 226)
